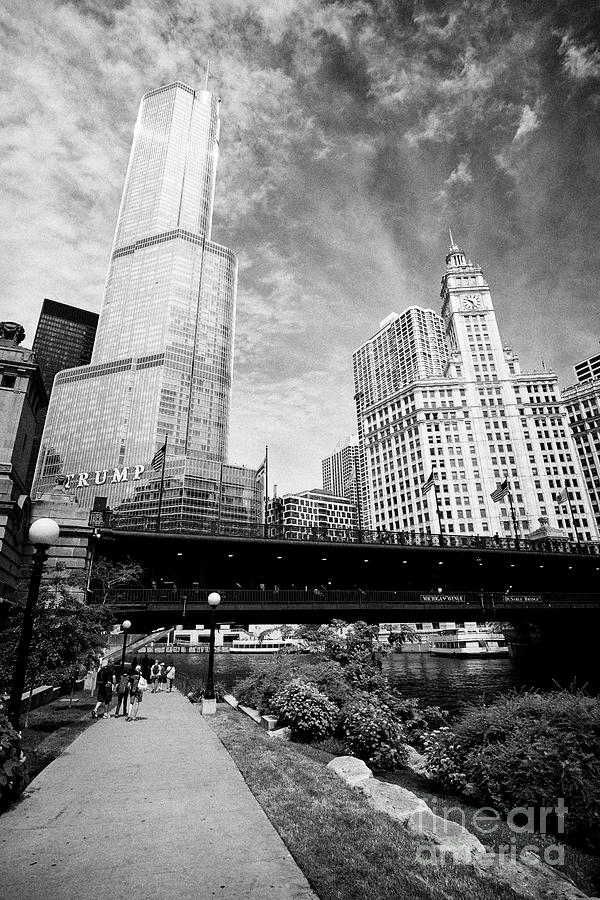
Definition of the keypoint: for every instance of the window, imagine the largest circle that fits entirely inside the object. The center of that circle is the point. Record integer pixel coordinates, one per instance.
(8, 381)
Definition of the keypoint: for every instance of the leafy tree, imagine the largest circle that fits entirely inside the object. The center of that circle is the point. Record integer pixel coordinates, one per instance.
(108, 575)
(67, 633)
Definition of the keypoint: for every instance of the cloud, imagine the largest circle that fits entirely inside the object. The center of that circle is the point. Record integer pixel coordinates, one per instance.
(529, 122)
(581, 62)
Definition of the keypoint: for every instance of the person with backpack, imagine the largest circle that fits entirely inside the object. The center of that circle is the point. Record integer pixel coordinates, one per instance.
(170, 676)
(155, 676)
(122, 694)
(104, 685)
(137, 686)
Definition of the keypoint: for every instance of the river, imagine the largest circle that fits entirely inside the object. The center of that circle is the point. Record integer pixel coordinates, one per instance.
(443, 681)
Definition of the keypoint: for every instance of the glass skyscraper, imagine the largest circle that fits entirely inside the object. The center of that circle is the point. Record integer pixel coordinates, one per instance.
(161, 369)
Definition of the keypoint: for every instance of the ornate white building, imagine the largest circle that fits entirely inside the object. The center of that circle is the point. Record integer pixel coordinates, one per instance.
(443, 394)
(582, 401)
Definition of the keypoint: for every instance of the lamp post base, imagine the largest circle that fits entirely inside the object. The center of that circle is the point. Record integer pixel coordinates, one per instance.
(209, 707)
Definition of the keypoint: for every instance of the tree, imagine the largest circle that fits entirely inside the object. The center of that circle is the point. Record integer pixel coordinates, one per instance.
(68, 635)
(108, 575)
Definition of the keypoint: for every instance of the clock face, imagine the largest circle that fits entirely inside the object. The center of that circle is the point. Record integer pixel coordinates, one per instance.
(471, 301)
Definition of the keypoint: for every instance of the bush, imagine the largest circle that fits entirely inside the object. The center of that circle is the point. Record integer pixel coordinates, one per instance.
(309, 713)
(258, 690)
(197, 693)
(12, 769)
(417, 721)
(374, 734)
(528, 750)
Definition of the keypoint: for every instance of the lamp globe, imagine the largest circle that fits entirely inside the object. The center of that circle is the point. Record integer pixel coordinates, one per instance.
(214, 599)
(44, 532)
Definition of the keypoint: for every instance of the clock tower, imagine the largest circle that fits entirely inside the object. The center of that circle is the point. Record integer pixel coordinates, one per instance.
(469, 319)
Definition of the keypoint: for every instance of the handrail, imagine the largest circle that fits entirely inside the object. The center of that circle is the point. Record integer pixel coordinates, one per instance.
(210, 527)
(183, 598)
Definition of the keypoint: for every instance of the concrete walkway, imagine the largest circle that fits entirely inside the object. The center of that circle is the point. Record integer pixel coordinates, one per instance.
(150, 809)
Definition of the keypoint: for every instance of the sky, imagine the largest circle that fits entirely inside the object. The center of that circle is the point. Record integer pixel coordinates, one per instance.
(353, 134)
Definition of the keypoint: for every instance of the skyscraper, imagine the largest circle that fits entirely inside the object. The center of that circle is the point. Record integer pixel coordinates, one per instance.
(467, 413)
(582, 401)
(64, 338)
(340, 469)
(161, 369)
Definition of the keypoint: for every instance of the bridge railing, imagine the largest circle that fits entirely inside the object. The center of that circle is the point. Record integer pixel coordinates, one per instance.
(186, 525)
(240, 600)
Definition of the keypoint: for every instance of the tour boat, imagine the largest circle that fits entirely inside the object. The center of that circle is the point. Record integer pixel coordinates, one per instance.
(461, 642)
(265, 646)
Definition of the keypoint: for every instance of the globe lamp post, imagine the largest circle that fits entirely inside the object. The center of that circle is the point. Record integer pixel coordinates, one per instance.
(125, 626)
(209, 702)
(43, 533)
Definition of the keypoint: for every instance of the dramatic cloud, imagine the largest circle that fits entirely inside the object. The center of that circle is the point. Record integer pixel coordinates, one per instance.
(353, 133)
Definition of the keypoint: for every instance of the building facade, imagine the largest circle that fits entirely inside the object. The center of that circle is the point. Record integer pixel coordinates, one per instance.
(64, 338)
(340, 469)
(464, 411)
(311, 515)
(22, 402)
(582, 402)
(161, 369)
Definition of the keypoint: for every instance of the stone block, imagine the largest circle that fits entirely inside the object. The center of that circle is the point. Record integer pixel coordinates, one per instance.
(282, 734)
(252, 713)
(450, 838)
(230, 699)
(393, 800)
(351, 770)
(416, 762)
(269, 723)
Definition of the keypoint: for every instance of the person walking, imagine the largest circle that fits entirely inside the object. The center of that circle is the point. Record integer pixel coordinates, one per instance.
(104, 685)
(161, 677)
(170, 676)
(122, 694)
(155, 676)
(137, 686)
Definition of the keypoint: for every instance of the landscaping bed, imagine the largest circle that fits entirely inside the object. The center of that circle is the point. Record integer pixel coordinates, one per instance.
(346, 849)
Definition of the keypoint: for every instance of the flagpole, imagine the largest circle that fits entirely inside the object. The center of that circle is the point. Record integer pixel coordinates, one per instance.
(220, 500)
(513, 517)
(576, 530)
(439, 514)
(266, 531)
(162, 483)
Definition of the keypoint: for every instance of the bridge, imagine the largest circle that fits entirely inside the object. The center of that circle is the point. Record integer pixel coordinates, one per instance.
(265, 575)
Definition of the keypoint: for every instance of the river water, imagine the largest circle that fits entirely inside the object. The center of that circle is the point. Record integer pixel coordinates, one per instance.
(442, 681)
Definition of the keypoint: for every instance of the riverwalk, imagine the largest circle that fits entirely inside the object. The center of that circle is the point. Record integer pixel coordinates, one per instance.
(153, 809)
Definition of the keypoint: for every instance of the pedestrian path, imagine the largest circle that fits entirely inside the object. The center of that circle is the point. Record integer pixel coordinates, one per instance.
(153, 809)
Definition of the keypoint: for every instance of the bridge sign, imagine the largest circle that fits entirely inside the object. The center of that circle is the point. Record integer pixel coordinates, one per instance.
(443, 598)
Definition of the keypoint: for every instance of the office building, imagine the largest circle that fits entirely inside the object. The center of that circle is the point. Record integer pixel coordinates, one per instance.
(161, 368)
(442, 394)
(582, 402)
(311, 515)
(341, 468)
(22, 402)
(64, 338)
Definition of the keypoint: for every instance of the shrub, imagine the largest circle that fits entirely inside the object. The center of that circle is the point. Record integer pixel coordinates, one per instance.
(12, 768)
(373, 733)
(528, 750)
(309, 713)
(417, 721)
(258, 690)
(197, 693)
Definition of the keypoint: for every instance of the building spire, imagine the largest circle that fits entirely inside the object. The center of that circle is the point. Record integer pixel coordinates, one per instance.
(207, 74)
(452, 244)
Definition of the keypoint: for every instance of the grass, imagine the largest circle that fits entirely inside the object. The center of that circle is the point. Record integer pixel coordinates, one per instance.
(346, 849)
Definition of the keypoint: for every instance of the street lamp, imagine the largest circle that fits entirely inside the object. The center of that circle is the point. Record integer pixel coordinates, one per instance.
(42, 534)
(209, 703)
(125, 626)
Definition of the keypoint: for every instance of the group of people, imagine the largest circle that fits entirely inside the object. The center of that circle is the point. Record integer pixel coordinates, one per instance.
(129, 688)
(162, 674)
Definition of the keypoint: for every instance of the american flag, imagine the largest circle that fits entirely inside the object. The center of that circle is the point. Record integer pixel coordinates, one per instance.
(562, 498)
(501, 491)
(428, 484)
(260, 472)
(158, 460)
